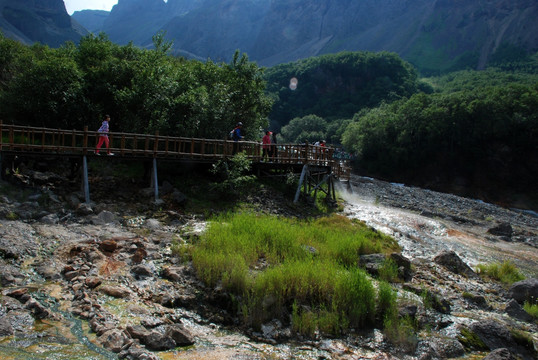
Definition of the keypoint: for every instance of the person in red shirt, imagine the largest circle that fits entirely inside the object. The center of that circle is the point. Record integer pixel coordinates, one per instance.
(266, 146)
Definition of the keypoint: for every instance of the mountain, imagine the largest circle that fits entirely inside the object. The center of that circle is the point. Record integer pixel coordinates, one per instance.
(434, 35)
(43, 21)
(93, 20)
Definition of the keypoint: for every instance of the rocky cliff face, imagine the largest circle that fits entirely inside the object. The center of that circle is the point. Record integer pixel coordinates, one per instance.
(440, 34)
(44, 21)
(432, 34)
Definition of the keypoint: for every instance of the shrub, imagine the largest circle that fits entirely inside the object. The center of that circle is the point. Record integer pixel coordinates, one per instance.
(506, 272)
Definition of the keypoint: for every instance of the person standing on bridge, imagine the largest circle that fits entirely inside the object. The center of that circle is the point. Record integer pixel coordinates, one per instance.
(266, 146)
(103, 136)
(237, 135)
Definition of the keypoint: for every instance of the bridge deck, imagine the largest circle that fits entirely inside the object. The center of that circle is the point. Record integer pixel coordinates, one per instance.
(26, 140)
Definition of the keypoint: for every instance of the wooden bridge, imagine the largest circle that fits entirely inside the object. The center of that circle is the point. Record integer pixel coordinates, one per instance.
(317, 165)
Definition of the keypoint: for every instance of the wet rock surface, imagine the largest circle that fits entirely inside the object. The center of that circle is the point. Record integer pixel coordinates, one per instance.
(109, 265)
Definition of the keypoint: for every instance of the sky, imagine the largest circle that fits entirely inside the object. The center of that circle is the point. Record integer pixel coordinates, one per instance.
(74, 5)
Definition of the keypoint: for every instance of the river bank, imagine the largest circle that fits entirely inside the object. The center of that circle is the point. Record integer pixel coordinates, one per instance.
(102, 281)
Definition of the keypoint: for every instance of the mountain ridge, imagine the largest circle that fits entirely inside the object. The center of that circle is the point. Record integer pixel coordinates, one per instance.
(435, 36)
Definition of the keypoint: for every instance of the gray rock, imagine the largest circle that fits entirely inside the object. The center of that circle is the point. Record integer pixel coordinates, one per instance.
(453, 263)
(496, 335)
(181, 336)
(107, 216)
(372, 262)
(152, 224)
(500, 354)
(158, 341)
(50, 219)
(5, 327)
(524, 290)
(84, 209)
(503, 229)
(113, 340)
(142, 271)
(37, 308)
(515, 310)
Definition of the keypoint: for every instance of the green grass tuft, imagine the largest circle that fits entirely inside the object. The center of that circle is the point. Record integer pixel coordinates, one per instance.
(305, 270)
(505, 272)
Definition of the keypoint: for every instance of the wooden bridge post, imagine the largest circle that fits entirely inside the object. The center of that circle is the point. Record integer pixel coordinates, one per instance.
(85, 179)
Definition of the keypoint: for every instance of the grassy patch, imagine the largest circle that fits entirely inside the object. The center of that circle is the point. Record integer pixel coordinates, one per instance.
(305, 270)
(531, 309)
(471, 341)
(505, 272)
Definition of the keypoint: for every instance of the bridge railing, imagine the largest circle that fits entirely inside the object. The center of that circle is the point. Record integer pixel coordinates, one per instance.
(15, 138)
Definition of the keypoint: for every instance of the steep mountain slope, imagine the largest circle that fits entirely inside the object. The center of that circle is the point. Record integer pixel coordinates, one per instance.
(432, 34)
(44, 21)
(93, 20)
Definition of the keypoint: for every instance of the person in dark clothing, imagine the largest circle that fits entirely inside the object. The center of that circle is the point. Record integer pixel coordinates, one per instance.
(274, 147)
(237, 135)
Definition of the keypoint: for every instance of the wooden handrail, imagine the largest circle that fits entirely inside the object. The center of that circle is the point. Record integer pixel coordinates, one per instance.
(46, 140)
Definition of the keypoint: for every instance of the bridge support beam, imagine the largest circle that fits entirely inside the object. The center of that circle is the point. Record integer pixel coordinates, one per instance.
(301, 180)
(85, 182)
(154, 180)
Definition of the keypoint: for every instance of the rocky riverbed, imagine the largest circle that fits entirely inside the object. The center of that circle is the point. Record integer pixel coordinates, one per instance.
(102, 281)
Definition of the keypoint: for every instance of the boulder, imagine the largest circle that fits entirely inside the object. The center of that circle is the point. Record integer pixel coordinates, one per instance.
(453, 263)
(113, 340)
(158, 341)
(524, 290)
(515, 310)
(181, 336)
(496, 335)
(503, 230)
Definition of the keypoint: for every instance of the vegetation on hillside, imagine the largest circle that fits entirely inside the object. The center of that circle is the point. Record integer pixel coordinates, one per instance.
(338, 85)
(142, 90)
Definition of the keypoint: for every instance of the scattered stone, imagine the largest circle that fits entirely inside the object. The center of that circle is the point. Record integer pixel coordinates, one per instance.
(115, 291)
(37, 308)
(109, 245)
(503, 229)
(453, 263)
(141, 271)
(152, 224)
(50, 219)
(84, 209)
(113, 340)
(92, 282)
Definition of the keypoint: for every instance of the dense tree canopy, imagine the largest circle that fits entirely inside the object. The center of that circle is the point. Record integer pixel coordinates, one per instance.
(143, 90)
(487, 135)
(338, 85)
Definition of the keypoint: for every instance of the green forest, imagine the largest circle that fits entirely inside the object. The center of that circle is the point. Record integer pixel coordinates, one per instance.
(470, 132)
(142, 90)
